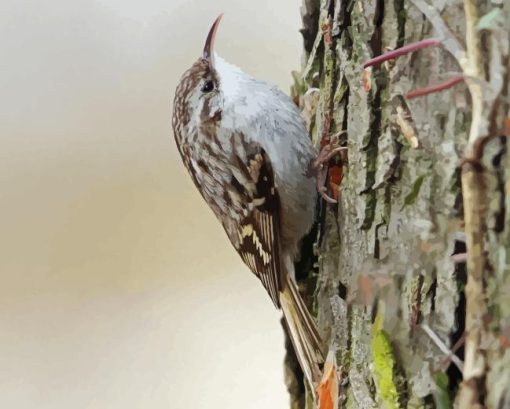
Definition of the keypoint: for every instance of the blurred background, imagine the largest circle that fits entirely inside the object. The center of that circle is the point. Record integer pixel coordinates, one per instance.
(118, 287)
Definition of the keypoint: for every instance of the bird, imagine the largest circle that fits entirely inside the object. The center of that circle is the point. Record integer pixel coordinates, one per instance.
(248, 152)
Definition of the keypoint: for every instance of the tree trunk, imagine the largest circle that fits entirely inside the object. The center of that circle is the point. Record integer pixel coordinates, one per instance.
(414, 261)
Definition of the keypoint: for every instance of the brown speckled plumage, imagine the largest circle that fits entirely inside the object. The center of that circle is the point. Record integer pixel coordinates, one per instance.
(248, 152)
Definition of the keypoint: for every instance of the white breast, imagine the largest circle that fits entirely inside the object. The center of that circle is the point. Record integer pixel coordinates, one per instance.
(267, 116)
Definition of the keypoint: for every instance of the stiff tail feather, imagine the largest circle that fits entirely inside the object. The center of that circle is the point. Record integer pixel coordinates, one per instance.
(303, 333)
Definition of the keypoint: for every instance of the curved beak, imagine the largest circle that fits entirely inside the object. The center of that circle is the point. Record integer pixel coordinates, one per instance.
(209, 42)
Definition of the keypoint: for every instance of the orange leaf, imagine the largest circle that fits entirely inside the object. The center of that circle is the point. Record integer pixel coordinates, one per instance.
(328, 387)
(336, 174)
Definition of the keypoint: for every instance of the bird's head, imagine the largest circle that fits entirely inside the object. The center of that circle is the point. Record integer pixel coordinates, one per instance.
(200, 95)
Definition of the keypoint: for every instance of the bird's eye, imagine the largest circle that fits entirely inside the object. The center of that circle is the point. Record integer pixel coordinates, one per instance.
(208, 87)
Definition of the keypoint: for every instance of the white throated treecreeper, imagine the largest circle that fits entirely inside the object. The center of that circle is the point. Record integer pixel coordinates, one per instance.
(247, 149)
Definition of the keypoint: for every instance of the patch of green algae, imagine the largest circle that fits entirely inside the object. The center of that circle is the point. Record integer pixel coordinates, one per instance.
(385, 367)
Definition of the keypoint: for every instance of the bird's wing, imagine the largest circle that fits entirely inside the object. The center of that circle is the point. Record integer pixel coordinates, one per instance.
(258, 230)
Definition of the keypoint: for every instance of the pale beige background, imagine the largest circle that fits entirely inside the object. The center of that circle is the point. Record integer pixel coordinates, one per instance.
(118, 288)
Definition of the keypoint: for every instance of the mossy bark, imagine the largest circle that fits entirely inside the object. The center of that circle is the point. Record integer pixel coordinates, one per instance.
(391, 276)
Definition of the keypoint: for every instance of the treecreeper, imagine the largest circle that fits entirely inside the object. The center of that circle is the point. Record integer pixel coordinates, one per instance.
(249, 154)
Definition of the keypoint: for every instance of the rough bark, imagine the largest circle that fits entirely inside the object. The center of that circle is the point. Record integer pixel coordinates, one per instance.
(423, 179)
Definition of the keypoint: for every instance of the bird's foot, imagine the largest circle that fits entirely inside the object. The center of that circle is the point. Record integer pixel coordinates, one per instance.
(322, 170)
(327, 153)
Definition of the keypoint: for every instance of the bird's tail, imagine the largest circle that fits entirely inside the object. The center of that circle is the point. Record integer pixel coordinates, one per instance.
(303, 333)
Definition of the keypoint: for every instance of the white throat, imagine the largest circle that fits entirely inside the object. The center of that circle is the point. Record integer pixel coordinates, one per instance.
(230, 78)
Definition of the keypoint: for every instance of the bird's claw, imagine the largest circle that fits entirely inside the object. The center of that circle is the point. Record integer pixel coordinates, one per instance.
(323, 193)
(328, 152)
